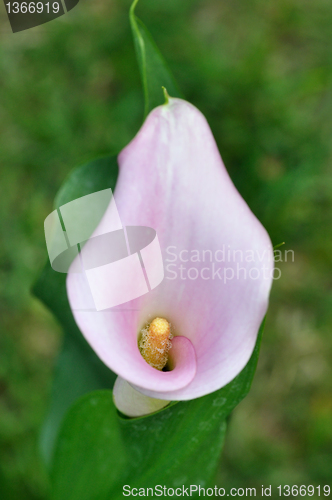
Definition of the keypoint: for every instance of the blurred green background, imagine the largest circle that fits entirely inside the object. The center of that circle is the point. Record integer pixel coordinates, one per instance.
(261, 72)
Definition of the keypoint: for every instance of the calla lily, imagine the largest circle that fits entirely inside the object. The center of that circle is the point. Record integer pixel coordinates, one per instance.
(218, 266)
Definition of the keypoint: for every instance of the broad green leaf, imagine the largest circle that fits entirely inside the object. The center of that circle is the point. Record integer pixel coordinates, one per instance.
(177, 446)
(78, 368)
(98, 174)
(77, 372)
(154, 71)
(90, 456)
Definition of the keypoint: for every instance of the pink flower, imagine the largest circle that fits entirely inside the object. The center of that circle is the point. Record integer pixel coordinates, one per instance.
(218, 266)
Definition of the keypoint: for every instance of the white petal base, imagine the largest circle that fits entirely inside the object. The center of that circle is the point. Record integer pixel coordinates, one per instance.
(132, 403)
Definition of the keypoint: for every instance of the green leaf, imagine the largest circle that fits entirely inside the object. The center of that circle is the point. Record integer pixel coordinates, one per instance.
(179, 445)
(77, 372)
(90, 456)
(78, 368)
(154, 71)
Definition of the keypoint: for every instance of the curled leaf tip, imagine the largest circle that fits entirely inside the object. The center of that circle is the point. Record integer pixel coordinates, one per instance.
(278, 245)
(166, 95)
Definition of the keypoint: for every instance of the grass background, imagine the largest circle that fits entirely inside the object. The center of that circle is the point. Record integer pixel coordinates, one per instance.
(261, 72)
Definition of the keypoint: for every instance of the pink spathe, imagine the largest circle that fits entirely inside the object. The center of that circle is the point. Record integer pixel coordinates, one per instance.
(172, 178)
